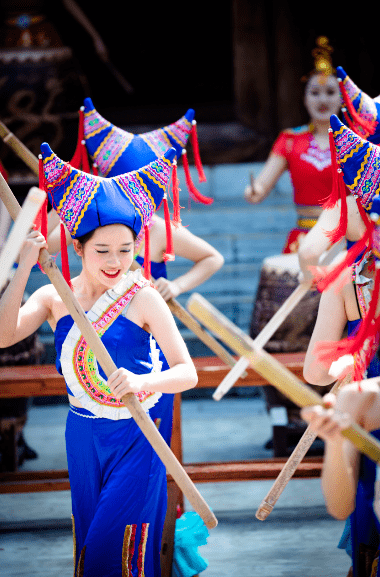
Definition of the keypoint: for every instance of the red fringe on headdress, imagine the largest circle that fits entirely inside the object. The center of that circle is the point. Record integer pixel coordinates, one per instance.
(169, 254)
(175, 192)
(355, 117)
(147, 271)
(333, 198)
(197, 156)
(194, 193)
(80, 159)
(65, 256)
(41, 219)
(328, 352)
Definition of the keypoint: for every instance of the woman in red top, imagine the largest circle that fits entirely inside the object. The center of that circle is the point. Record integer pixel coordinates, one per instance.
(304, 151)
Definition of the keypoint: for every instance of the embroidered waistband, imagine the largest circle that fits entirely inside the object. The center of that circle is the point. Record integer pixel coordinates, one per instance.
(81, 412)
(307, 223)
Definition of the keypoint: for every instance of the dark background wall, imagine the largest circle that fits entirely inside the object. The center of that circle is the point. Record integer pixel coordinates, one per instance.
(237, 62)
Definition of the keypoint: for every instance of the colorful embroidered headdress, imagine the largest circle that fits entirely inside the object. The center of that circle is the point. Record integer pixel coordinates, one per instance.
(84, 201)
(116, 151)
(358, 168)
(361, 112)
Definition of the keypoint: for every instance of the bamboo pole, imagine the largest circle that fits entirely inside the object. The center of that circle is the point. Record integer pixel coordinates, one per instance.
(271, 369)
(142, 419)
(288, 470)
(21, 228)
(270, 328)
(19, 148)
(191, 323)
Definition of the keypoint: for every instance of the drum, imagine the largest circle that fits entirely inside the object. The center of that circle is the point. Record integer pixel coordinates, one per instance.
(278, 279)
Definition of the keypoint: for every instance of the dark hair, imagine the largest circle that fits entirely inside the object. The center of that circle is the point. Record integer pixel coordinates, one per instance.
(86, 237)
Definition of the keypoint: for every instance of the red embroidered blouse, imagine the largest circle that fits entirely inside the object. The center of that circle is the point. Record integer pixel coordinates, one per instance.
(309, 165)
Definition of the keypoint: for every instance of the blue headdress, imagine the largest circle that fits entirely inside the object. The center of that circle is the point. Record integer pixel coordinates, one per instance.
(85, 201)
(116, 151)
(361, 112)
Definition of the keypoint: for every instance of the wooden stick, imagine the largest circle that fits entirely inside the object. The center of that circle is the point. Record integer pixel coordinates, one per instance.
(269, 329)
(21, 228)
(142, 419)
(275, 373)
(191, 323)
(288, 470)
(19, 148)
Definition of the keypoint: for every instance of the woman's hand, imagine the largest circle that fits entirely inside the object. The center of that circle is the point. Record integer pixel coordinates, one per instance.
(252, 195)
(167, 289)
(326, 421)
(123, 381)
(30, 249)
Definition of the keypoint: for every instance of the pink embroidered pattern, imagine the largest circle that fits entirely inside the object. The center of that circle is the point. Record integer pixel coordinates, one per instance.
(111, 149)
(84, 361)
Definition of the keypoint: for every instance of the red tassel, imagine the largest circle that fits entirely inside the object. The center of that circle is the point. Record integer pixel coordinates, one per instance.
(194, 193)
(324, 276)
(76, 159)
(41, 219)
(169, 254)
(340, 231)
(355, 117)
(334, 195)
(65, 257)
(328, 352)
(95, 170)
(197, 156)
(147, 271)
(175, 192)
(84, 158)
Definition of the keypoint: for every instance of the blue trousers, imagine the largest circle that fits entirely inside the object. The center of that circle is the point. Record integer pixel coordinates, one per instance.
(119, 497)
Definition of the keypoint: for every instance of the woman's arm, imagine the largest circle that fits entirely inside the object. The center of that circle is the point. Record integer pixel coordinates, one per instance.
(269, 175)
(17, 324)
(316, 242)
(150, 310)
(207, 260)
(341, 459)
(329, 326)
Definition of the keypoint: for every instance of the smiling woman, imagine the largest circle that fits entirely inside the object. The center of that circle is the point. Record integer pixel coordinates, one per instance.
(118, 483)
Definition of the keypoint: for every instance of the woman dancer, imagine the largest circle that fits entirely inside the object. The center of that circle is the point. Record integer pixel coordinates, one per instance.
(118, 484)
(349, 480)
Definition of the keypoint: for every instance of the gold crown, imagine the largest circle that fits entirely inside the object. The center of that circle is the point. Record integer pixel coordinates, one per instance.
(322, 56)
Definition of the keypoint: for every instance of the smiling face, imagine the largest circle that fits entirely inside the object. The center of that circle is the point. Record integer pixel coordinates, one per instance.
(322, 97)
(107, 254)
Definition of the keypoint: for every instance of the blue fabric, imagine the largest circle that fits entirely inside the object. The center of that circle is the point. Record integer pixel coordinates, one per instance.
(116, 478)
(190, 533)
(158, 269)
(365, 526)
(351, 243)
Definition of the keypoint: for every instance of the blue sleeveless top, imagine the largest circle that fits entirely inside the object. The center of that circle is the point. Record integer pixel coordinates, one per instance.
(128, 345)
(158, 269)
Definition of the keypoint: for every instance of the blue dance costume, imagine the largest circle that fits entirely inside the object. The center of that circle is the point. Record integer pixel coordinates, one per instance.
(361, 531)
(118, 483)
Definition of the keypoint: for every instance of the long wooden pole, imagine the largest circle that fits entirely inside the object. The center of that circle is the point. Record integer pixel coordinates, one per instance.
(269, 329)
(272, 370)
(22, 226)
(143, 421)
(288, 470)
(191, 323)
(19, 148)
